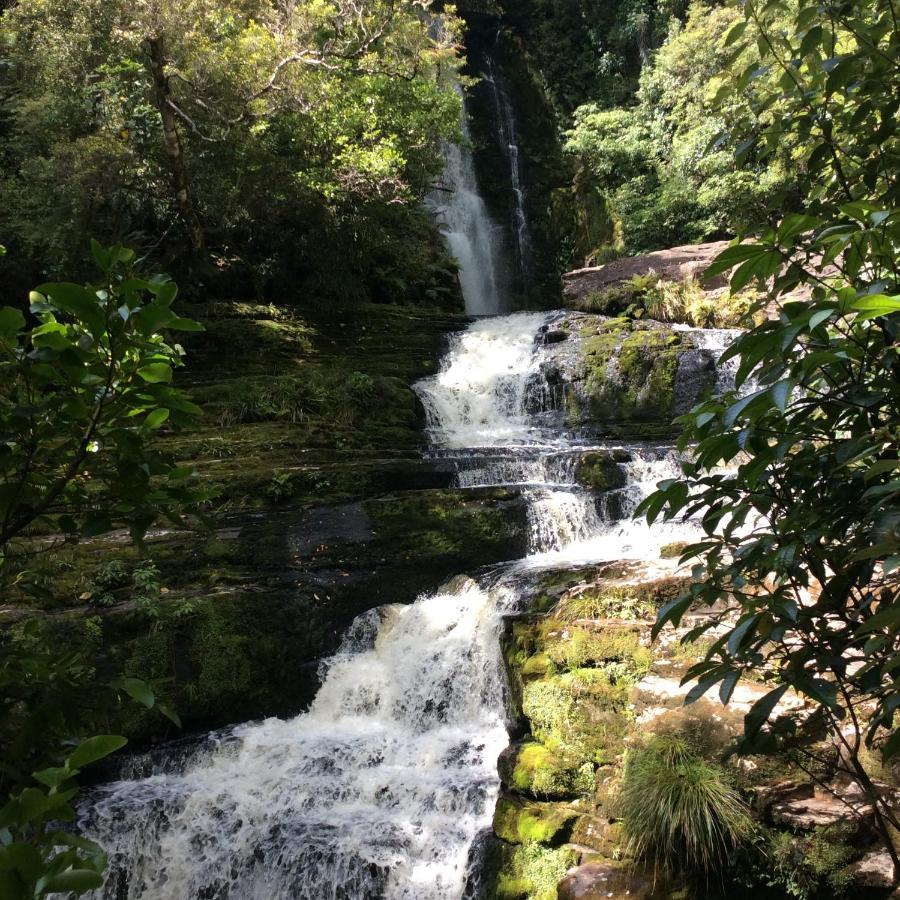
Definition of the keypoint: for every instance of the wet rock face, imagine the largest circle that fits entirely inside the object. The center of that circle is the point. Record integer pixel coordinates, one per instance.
(622, 374)
(604, 881)
(247, 612)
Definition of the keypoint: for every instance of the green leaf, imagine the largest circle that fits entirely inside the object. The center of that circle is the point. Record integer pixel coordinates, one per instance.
(78, 881)
(671, 612)
(739, 632)
(137, 689)
(94, 748)
(156, 373)
(870, 307)
(887, 618)
(53, 777)
(169, 713)
(761, 710)
(728, 685)
(781, 392)
(102, 256)
(180, 324)
(153, 317)
(165, 291)
(156, 418)
(11, 323)
(77, 301)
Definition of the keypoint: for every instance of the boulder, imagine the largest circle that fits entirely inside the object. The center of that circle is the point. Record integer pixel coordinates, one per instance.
(519, 821)
(673, 264)
(875, 870)
(819, 811)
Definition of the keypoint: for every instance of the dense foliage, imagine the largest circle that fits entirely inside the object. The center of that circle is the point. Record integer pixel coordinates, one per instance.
(666, 178)
(678, 809)
(590, 49)
(802, 549)
(83, 394)
(238, 140)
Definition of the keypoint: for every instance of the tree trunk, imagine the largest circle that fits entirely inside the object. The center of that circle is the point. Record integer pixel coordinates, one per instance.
(172, 142)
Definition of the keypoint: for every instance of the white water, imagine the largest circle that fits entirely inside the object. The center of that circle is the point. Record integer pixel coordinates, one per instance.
(473, 239)
(508, 141)
(380, 791)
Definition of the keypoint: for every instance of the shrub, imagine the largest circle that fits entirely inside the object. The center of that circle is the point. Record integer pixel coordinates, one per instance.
(813, 865)
(678, 810)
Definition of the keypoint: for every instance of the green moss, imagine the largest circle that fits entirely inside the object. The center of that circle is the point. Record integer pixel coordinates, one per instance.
(581, 714)
(599, 471)
(617, 651)
(537, 771)
(630, 369)
(523, 822)
(532, 872)
(538, 665)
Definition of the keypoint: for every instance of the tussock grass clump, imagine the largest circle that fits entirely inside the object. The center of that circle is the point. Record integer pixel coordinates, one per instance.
(678, 810)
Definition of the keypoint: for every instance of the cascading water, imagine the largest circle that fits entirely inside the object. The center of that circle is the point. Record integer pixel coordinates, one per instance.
(471, 236)
(380, 790)
(377, 792)
(507, 139)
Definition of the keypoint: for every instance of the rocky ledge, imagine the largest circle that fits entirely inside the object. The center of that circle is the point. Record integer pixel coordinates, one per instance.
(591, 692)
(674, 264)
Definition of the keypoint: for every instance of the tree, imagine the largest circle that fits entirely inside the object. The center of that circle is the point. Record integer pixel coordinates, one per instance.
(83, 394)
(667, 180)
(246, 132)
(798, 567)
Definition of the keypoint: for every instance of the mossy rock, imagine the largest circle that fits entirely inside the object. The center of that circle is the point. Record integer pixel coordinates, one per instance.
(622, 374)
(534, 770)
(527, 871)
(601, 834)
(600, 471)
(519, 821)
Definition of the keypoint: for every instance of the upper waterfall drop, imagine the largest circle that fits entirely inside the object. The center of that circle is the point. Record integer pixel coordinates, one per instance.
(471, 235)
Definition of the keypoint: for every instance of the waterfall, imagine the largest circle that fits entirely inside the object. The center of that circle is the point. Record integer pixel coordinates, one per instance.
(507, 139)
(381, 790)
(471, 236)
(377, 792)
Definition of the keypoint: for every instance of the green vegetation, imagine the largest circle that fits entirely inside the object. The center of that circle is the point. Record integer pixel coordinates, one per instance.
(84, 394)
(533, 871)
(669, 301)
(679, 810)
(809, 590)
(665, 177)
(258, 148)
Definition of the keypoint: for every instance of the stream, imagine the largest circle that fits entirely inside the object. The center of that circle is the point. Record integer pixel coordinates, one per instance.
(382, 788)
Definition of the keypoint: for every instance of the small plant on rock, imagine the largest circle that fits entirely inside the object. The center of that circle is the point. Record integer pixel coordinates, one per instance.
(680, 810)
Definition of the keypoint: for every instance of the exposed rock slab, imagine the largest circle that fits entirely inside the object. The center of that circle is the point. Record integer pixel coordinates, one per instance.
(674, 264)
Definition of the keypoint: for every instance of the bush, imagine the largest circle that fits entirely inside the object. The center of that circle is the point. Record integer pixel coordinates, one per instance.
(679, 810)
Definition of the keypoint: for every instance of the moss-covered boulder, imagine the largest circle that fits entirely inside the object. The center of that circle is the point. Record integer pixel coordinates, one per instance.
(519, 821)
(626, 375)
(601, 470)
(534, 770)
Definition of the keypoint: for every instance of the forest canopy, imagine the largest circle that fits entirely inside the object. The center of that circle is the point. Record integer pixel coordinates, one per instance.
(237, 138)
